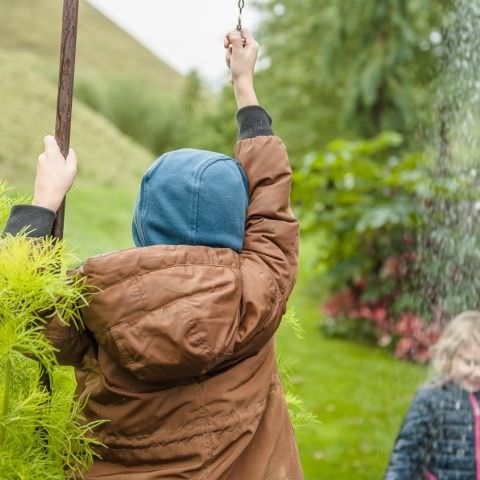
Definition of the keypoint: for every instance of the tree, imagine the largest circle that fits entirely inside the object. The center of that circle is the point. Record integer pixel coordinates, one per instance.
(363, 202)
(349, 68)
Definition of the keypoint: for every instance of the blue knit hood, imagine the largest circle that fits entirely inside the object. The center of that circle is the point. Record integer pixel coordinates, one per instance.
(192, 197)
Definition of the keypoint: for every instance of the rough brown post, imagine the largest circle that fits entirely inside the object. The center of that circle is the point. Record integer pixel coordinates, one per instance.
(64, 111)
(65, 92)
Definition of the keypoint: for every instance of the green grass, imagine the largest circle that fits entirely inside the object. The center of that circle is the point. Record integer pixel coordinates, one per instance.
(98, 220)
(359, 394)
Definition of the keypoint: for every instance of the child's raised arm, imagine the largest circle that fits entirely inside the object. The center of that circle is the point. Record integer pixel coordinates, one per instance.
(270, 252)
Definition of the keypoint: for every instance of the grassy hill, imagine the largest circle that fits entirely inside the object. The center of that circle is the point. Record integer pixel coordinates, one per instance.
(107, 158)
(110, 164)
(35, 27)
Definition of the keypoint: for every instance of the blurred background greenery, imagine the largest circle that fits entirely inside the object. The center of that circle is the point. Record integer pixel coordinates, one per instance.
(351, 86)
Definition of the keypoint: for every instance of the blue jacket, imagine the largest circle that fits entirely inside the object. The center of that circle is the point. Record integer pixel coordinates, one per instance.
(437, 438)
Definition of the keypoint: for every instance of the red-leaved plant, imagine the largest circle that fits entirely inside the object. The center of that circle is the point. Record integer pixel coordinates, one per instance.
(410, 335)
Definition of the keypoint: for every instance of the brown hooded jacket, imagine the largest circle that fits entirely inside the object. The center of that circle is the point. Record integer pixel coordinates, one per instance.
(178, 353)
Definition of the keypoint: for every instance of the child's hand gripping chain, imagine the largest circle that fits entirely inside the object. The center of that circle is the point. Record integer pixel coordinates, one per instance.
(241, 57)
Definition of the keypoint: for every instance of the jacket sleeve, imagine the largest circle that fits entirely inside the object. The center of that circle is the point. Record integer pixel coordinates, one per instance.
(38, 221)
(270, 252)
(71, 344)
(410, 450)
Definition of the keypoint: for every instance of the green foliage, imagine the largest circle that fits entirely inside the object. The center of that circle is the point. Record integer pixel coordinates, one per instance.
(8, 201)
(151, 117)
(148, 116)
(355, 329)
(291, 321)
(220, 128)
(348, 68)
(362, 197)
(366, 202)
(41, 434)
(449, 244)
(300, 415)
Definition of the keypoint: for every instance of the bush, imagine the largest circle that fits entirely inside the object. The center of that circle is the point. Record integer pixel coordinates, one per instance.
(42, 434)
(368, 200)
(158, 120)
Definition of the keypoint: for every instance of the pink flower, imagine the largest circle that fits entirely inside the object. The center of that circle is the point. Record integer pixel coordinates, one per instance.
(412, 256)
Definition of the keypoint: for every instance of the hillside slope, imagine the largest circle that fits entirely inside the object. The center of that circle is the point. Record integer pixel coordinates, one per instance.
(35, 26)
(28, 113)
(110, 164)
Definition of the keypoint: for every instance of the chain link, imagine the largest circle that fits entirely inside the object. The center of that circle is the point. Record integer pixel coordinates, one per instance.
(241, 6)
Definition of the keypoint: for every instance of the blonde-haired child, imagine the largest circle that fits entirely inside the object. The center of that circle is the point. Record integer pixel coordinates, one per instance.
(440, 436)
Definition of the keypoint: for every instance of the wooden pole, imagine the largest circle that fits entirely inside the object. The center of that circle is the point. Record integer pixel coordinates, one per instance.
(65, 92)
(64, 111)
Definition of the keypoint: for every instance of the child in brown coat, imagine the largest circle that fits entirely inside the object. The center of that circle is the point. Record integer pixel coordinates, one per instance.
(178, 346)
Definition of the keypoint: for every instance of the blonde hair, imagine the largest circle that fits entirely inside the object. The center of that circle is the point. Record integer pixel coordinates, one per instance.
(462, 330)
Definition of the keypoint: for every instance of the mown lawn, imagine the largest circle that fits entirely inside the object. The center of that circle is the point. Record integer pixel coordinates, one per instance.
(359, 394)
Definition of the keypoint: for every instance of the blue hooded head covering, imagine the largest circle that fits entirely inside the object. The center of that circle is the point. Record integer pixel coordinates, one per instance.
(192, 197)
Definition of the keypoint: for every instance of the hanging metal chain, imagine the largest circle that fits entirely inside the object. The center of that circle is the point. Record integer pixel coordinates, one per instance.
(241, 6)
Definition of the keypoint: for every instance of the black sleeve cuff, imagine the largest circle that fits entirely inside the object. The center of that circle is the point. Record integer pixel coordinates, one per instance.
(253, 121)
(38, 221)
